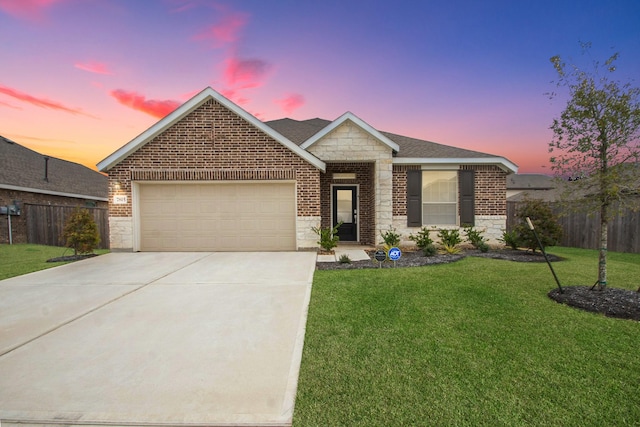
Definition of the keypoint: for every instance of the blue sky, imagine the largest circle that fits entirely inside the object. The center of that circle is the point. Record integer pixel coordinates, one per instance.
(83, 77)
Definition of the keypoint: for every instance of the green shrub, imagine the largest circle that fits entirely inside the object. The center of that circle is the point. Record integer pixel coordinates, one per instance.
(510, 238)
(390, 237)
(81, 232)
(450, 237)
(429, 250)
(476, 239)
(328, 236)
(547, 226)
(483, 247)
(422, 239)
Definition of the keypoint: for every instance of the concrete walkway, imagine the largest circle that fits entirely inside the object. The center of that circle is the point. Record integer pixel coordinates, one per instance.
(352, 253)
(155, 339)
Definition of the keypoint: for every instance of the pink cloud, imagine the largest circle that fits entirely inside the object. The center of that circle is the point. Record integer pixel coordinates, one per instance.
(245, 73)
(32, 10)
(6, 104)
(291, 102)
(182, 5)
(93, 67)
(139, 102)
(224, 32)
(39, 102)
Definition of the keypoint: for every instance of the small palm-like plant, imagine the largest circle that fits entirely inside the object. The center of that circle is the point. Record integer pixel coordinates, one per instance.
(449, 249)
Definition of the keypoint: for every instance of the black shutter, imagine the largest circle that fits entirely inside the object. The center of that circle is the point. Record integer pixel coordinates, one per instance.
(466, 180)
(414, 198)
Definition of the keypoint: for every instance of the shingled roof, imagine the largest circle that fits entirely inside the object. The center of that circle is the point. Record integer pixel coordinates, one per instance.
(299, 131)
(26, 170)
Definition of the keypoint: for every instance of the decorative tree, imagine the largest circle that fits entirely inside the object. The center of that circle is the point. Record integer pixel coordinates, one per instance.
(81, 232)
(597, 139)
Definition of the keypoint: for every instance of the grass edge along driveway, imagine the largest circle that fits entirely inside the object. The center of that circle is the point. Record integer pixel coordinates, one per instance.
(473, 343)
(23, 258)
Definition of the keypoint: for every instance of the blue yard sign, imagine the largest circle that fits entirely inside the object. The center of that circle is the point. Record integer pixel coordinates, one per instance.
(394, 254)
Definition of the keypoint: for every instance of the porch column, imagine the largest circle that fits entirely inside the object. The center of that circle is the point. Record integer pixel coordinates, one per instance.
(384, 196)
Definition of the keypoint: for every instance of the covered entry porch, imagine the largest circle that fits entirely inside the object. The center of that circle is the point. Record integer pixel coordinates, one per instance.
(347, 194)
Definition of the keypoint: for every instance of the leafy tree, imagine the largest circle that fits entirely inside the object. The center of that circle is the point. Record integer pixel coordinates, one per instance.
(546, 224)
(81, 232)
(597, 139)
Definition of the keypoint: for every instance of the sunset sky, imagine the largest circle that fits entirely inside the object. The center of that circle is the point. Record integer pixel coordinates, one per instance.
(80, 78)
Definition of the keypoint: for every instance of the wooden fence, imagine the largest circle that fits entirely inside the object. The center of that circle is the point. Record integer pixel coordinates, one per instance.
(45, 223)
(581, 230)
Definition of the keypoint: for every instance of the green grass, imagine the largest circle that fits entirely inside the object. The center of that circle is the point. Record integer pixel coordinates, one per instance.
(16, 260)
(473, 343)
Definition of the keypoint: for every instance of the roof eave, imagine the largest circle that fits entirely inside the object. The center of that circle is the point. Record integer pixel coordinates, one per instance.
(501, 162)
(188, 107)
(53, 193)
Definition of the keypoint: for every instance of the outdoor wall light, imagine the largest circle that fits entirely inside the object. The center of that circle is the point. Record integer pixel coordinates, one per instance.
(116, 185)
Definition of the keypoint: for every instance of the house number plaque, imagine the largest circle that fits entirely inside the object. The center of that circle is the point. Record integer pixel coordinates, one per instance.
(120, 200)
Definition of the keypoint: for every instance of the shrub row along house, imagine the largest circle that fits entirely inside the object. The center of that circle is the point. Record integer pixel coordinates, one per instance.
(212, 177)
(37, 191)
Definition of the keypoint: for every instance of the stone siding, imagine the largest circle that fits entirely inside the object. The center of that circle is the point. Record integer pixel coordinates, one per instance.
(348, 143)
(305, 235)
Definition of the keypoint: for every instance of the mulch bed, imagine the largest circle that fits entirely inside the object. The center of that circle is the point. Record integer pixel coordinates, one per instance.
(416, 259)
(71, 258)
(612, 302)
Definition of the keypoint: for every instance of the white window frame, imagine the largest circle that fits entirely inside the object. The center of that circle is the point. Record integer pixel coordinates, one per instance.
(451, 173)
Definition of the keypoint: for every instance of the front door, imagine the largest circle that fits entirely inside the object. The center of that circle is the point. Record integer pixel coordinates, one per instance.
(345, 209)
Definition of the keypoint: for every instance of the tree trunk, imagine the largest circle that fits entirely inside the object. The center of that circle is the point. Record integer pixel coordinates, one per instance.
(602, 259)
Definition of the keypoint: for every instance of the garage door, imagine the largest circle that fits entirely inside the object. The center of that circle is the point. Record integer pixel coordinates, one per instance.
(217, 217)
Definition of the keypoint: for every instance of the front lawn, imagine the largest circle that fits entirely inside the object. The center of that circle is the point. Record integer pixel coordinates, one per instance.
(472, 343)
(19, 259)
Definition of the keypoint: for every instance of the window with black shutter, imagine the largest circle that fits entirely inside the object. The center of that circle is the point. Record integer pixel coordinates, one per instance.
(414, 198)
(467, 197)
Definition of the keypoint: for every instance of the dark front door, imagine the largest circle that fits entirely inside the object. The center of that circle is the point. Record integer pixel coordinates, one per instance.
(345, 209)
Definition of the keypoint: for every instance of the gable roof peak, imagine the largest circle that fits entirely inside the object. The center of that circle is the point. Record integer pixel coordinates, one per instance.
(349, 116)
(182, 111)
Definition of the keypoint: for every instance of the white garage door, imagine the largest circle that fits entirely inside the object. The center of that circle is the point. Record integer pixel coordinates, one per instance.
(235, 216)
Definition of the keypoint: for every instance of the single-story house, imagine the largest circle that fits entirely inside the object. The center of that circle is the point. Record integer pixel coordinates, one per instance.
(529, 183)
(29, 179)
(212, 177)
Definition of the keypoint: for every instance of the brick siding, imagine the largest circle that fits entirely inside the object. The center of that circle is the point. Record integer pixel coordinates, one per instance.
(490, 189)
(400, 188)
(365, 179)
(213, 143)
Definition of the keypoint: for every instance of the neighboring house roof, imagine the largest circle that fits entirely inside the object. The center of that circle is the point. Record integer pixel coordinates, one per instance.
(409, 150)
(186, 108)
(23, 169)
(530, 181)
(550, 195)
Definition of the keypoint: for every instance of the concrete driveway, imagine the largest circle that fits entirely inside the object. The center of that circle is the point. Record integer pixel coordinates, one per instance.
(155, 339)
